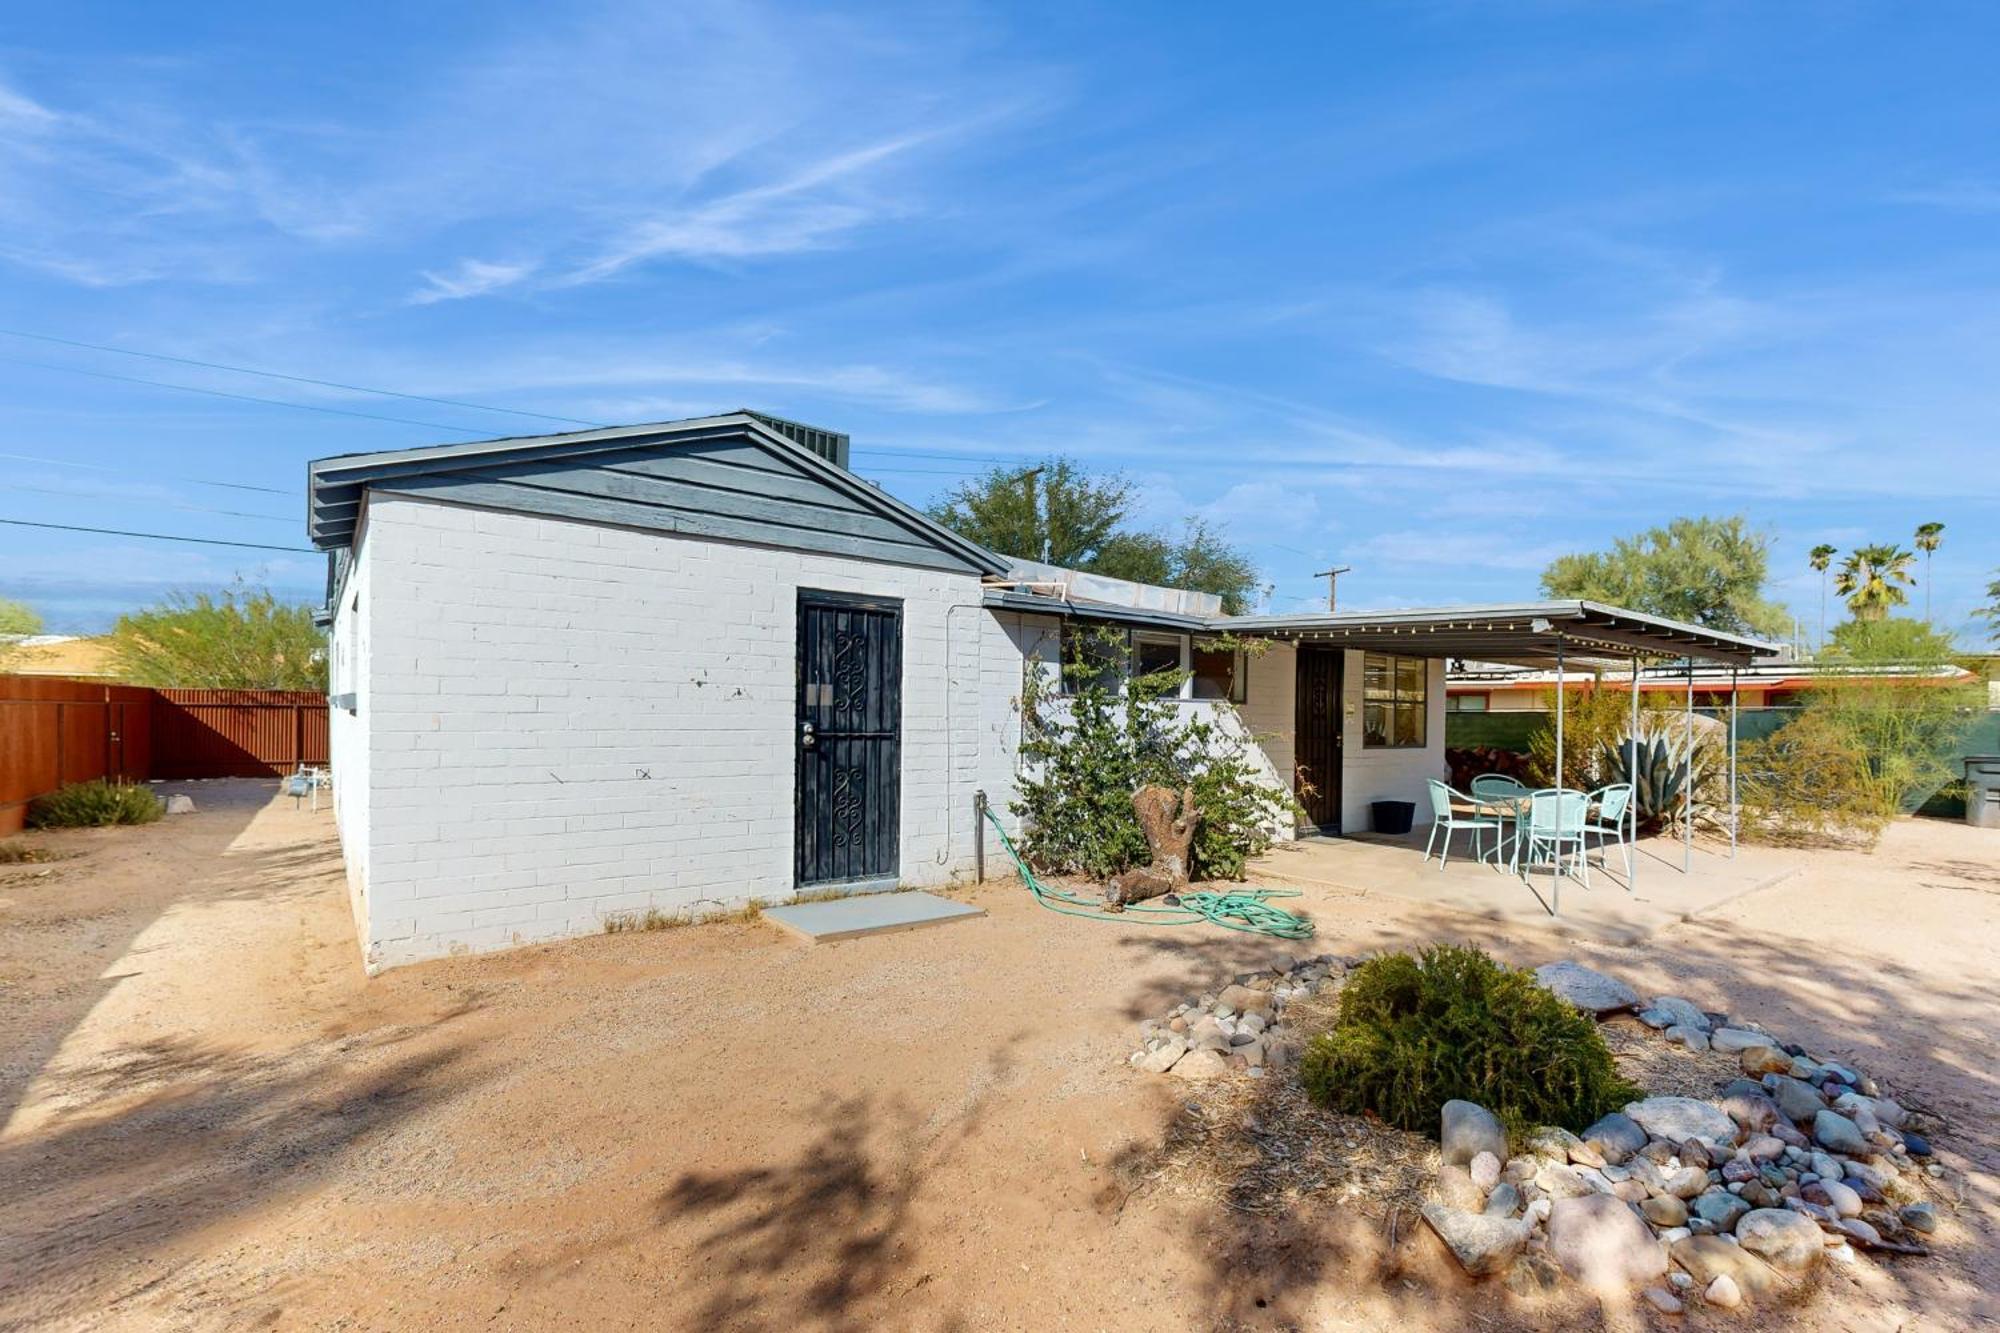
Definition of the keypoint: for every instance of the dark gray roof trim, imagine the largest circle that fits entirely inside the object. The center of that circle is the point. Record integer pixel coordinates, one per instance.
(728, 478)
(1037, 604)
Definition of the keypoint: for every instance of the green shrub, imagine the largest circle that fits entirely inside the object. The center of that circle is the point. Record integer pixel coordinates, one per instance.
(1085, 751)
(1415, 1033)
(95, 804)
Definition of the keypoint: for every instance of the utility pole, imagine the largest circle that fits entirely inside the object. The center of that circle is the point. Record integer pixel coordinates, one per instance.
(1038, 506)
(1332, 577)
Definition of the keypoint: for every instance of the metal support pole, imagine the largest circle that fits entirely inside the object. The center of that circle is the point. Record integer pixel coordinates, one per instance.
(1687, 783)
(1555, 880)
(1632, 776)
(979, 837)
(1735, 810)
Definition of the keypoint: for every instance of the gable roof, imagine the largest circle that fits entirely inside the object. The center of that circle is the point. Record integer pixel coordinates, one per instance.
(732, 477)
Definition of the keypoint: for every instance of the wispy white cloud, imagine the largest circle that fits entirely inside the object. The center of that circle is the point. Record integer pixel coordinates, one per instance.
(805, 210)
(470, 277)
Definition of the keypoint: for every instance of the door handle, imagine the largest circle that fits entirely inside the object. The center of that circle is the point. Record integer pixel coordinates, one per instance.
(806, 736)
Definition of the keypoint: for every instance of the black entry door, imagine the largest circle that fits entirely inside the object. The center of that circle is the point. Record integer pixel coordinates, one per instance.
(849, 737)
(1316, 757)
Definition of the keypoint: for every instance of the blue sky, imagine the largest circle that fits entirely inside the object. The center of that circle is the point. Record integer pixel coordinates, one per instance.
(1434, 290)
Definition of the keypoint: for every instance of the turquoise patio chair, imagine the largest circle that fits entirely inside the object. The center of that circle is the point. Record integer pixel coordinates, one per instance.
(1446, 820)
(1556, 818)
(1613, 803)
(1495, 788)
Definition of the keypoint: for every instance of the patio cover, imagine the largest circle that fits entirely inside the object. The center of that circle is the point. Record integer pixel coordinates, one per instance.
(1573, 632)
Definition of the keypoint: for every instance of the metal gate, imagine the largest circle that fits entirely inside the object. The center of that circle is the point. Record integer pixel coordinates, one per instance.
(850, 723)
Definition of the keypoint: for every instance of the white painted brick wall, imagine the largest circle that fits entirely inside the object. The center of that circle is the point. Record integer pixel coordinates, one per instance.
(1269, 708)
(565, 721)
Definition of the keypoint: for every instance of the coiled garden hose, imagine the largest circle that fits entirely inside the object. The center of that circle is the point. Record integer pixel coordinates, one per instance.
(1247, 910)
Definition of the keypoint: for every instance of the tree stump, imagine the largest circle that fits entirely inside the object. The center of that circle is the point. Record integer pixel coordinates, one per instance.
(1167, 817)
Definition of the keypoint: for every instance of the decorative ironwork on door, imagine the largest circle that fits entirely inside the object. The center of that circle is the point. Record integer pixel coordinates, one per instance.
(850, 666)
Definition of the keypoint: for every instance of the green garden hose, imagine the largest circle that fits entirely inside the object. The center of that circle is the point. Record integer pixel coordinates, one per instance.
(1249, 910)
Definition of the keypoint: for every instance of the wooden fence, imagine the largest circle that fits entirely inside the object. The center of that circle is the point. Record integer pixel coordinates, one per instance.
(54, 731)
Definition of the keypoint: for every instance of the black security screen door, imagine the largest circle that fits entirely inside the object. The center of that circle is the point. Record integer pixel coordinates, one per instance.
(1317, 729)
(849, 737)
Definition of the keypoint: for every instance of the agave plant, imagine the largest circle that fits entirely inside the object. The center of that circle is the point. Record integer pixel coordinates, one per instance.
(1660, 768)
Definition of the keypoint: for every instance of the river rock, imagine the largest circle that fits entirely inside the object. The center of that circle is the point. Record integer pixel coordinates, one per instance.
(1764, 1060)
(1837, 1196)
(1553, 1142)
(1504, 1201)
(1165, 1057)
(1719, 1208)
(1590, 991)
(1783, 1238)
(1662, 1300)
(1731, 1041)
(1687, 1183)
(1616, 1137)
(1485, 1169)
(1244, 1000)
(1919, 1217)
(1664, 1211)
(1456, 1190)
(1679, 1118)
(1723, 1293)
(1482, 1244)
(1202, 1064)
(1564, 1182)
(1601, 1242)
(1467, 1129)
(1838, 1134)
(1707, 1258)
(1800, 1101)
(1677, 1012)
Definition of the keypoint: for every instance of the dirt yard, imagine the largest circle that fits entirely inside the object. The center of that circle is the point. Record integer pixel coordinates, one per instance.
(213, 1120)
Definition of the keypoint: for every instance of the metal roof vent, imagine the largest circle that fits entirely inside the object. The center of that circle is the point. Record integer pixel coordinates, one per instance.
(828, 444)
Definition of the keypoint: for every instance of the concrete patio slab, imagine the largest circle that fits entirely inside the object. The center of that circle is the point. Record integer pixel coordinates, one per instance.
(1608, 908)
(868, 914)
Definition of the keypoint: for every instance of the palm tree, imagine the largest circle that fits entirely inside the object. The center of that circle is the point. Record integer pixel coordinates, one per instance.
(1929, 535)
(1820, 557)
(1990, 613)
(1872, 579)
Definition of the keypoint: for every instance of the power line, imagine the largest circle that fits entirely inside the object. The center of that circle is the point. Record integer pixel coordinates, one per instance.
(191, 481)
(295, 379)
(158, 536)
(241, 397)
(148, 500)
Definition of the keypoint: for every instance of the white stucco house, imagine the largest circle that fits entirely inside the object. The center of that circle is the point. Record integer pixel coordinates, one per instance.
(685, 665)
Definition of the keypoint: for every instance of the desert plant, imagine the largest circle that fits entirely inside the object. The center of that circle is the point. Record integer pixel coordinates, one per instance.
(1808, 783)
(1451, 1023)
(98, 803)
(244, 639)
(1084, 754)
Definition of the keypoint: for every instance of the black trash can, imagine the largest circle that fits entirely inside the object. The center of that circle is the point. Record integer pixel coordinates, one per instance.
(1392, 816)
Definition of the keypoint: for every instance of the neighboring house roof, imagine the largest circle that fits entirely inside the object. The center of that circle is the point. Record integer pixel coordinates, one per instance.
(734, 477)
(55, 655)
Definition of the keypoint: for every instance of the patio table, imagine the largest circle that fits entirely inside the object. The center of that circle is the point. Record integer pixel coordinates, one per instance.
(1505, 807)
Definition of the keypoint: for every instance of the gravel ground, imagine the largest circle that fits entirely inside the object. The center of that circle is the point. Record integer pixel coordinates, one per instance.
(213, 1120)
